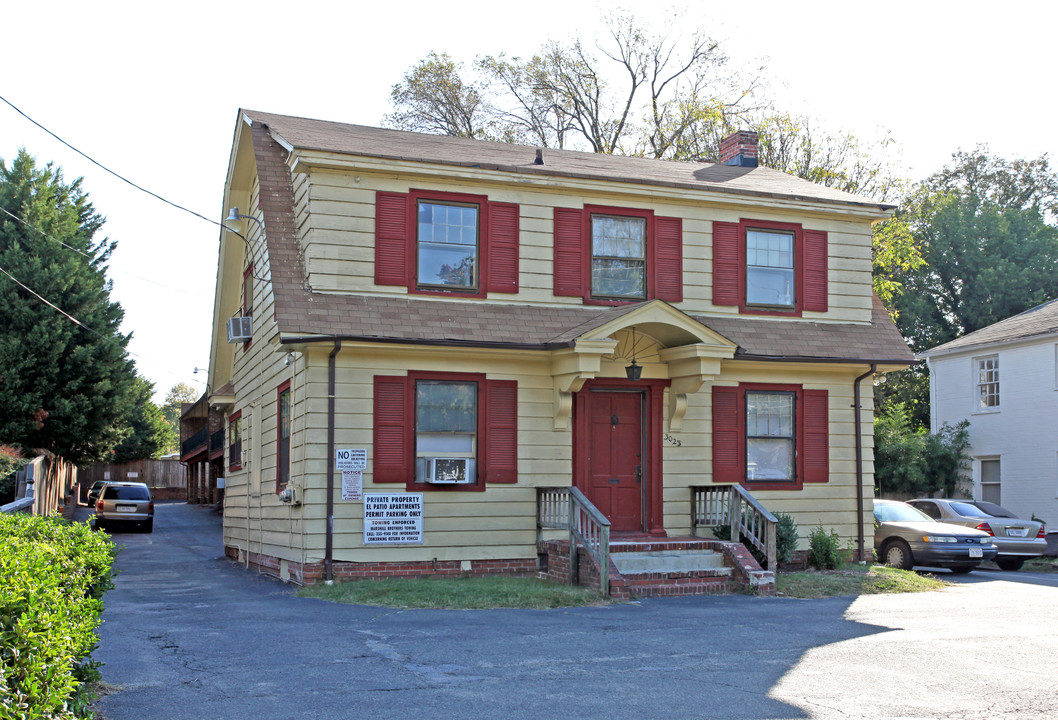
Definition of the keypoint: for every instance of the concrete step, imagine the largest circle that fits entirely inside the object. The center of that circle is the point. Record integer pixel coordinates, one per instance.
(662, 562)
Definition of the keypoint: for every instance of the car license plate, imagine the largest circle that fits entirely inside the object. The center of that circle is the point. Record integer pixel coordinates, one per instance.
(976, 553)
(126, 508)
(1017, 532)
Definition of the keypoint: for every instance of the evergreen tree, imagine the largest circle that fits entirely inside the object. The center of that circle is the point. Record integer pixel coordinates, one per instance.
(149, 434)
(66, 382)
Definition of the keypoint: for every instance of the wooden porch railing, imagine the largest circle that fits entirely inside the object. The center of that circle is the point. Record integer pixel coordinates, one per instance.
(563, 508)
(734, 507)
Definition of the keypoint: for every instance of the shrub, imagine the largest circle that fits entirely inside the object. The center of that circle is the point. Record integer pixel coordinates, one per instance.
(785, 537)
(53, 574)
(824, 549)
(11, 459)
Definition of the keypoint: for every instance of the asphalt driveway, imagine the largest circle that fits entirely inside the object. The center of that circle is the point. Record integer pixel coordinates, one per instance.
(189, 634)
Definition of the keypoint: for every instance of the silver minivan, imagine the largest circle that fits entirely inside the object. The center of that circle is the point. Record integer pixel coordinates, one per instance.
(125, 503)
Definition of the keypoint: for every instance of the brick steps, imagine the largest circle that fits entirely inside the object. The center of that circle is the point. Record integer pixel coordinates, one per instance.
(663, 567)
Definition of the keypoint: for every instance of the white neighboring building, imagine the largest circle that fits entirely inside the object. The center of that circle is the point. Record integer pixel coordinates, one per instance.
(1004, 380)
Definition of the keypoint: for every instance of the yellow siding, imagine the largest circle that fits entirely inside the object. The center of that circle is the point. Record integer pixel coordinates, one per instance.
(337, 223)
(335, 226)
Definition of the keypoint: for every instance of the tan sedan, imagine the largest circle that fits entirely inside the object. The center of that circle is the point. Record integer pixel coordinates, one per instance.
(1017, 540)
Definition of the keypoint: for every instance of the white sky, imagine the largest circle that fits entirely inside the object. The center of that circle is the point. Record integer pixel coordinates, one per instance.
(151, 90)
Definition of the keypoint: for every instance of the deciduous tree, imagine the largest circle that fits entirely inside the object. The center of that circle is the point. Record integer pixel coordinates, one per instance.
(984, 228)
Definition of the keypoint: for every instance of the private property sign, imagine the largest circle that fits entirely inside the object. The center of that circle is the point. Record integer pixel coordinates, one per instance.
(392, 518)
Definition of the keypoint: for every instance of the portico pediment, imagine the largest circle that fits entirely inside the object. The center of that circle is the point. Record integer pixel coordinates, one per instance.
(667, 343)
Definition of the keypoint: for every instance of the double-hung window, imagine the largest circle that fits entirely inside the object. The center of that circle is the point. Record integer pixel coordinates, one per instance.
(770, 268)
(770, 436)
(235, 441)
(610, 255)
(445, 243)
(618, 257)
(283, 437)
(446, 430)
(987, 383)
(447, 246)
(771, 439)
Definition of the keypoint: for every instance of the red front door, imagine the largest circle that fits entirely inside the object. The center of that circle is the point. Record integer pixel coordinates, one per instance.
(613, 480)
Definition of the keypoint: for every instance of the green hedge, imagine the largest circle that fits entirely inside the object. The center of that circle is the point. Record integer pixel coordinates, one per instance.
(53, 574)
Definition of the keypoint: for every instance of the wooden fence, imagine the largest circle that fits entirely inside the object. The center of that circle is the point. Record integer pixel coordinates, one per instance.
(167, 478)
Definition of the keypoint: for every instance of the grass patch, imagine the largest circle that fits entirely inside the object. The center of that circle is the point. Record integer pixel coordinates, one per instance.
(462, 593)
(853, 580)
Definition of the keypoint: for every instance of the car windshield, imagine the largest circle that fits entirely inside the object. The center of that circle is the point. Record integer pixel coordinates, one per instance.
(968, 510)
(126, 492)
(899, 512)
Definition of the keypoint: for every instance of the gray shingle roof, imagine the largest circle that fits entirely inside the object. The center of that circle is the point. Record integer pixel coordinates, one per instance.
(306, 134)
(1039, 321)
(300, 312)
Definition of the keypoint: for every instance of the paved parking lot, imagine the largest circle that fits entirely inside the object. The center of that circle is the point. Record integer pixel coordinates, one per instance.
(188, 634)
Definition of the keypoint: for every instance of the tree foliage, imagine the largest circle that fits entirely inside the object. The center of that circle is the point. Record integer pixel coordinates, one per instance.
(149, 435)
(911, 462)
(172, 407)
(65, 385)
(990, 250)
(636, 91)
(653, 93)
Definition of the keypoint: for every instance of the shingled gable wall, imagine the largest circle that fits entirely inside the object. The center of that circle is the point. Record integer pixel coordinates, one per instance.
(320, 239)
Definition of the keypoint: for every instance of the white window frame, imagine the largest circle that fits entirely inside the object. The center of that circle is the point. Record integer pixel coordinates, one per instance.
(981, 475)
(983, 390)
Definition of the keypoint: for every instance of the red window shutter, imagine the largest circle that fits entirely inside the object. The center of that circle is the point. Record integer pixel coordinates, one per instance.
(391, 238)
(729, 424)
(816, 436)
(503, 248)
(668, 258)
(569, 252)
(393, 440)
(815, 272)
(501, 441)
(727, 265)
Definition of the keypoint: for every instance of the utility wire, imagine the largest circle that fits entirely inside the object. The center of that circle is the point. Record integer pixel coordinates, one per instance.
(104, 167)
(90, 256)
(60, 310)
(249, 247)
(71, 318)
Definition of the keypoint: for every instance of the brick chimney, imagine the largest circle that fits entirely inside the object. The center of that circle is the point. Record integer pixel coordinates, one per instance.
(739, 148)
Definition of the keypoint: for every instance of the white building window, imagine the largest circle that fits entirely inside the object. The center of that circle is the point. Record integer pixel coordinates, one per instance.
(987, 382)
(990, 486)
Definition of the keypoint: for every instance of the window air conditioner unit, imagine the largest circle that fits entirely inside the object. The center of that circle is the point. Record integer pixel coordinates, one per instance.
(449, 471)
(240, 329)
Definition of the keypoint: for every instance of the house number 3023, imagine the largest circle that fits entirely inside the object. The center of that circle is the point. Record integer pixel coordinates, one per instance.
(672, 441)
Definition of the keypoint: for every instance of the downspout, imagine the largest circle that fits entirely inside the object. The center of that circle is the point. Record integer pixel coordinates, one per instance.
(859, 456)
(328, 556)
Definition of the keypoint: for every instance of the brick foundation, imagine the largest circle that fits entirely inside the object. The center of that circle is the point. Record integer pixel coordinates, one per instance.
(312, 573)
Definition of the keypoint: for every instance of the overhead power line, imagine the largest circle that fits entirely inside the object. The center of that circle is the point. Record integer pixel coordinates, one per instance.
(89, 255)
(104, 167)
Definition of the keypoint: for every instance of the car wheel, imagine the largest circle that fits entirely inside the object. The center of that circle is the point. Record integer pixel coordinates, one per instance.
(962, 569)
(897, 554)
(1013, 564)
(148, 526)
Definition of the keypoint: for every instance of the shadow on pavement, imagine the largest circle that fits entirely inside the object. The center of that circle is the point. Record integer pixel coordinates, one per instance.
(189, 634)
